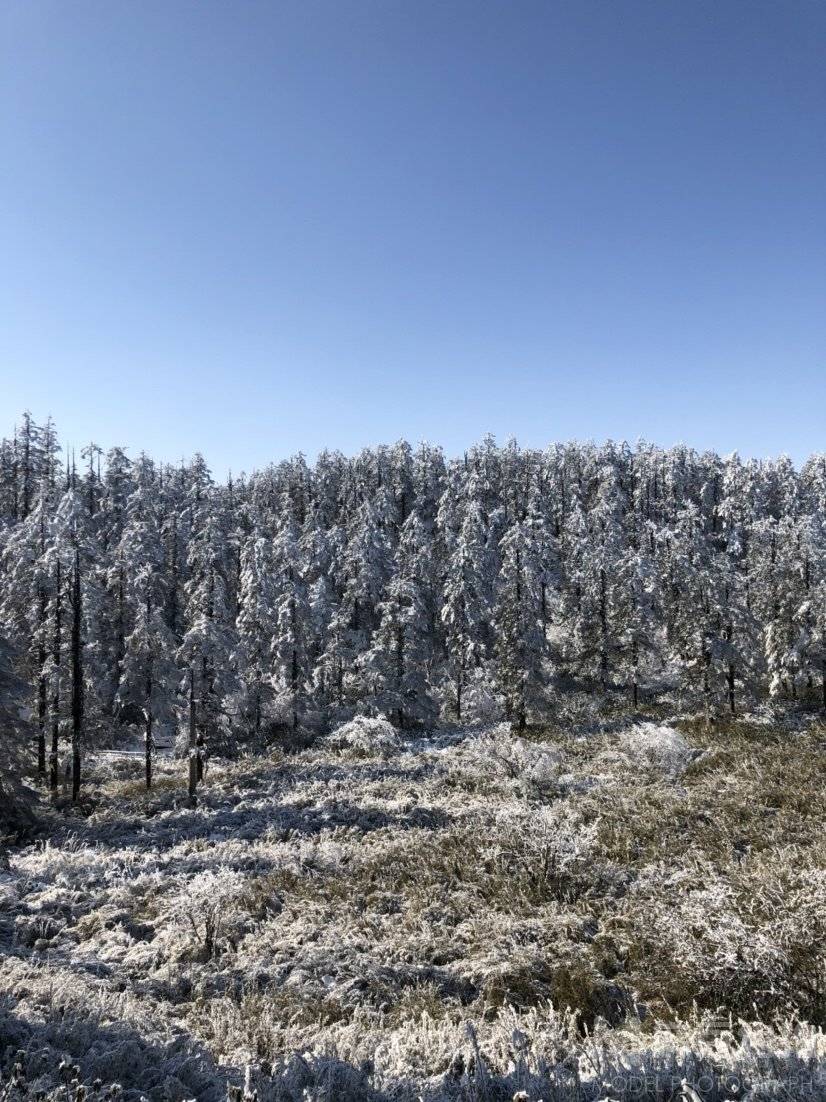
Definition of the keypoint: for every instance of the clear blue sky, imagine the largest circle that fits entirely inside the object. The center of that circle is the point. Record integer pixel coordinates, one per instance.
(252, 228)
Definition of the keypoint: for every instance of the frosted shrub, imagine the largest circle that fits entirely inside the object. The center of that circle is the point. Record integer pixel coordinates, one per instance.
(210, 904)
(552, 838)
(534, 766)
(362, 737)
(656, 747)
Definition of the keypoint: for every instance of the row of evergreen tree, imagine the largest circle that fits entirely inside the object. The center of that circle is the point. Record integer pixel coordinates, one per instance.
(401, 583)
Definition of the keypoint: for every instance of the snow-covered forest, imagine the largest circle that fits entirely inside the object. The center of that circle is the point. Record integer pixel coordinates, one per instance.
(403, 584)
(399, 777)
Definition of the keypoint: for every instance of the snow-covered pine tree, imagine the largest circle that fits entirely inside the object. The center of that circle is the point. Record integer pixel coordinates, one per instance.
(257, 626)
(396, 668)
(364, 570)
(209, 644)
(291, 613)
(465, 612)
(596, 544)
(521, 647)
(16, 804)
(24, 603)
(74, 615)
(148, 674)
(638, 596)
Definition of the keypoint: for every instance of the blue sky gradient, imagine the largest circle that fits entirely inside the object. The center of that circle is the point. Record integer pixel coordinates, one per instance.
(255, 228)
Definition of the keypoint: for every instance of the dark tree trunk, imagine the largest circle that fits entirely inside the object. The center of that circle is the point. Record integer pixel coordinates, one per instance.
(42, 692)
(77, 679)
(56, 646)
(294, 686)
(173, 588)
(400, 671)
(707, 684)
(294, 660)
(460, 680)
(27, 466)
(147, 738)
(199, 757)
(148, 741)
(193, 737)
(603, 620)
(206, 701)
(15, 470)
(120, 650)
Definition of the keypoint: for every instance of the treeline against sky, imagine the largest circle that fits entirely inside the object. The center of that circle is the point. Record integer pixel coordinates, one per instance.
(401, 583)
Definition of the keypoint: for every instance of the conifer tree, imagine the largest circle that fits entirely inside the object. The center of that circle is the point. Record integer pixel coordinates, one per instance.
(148, 674)
(257, 625)
(463, 611)
(396, 668)
(521, 646)
(291, 613)
(24, 603)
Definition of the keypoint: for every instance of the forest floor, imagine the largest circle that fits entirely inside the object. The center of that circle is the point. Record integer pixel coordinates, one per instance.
(377, 917)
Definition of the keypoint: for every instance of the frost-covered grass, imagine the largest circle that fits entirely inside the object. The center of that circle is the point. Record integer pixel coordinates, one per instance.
(386, 918)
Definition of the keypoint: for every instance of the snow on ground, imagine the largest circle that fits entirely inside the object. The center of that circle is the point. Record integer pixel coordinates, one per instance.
(387, 918)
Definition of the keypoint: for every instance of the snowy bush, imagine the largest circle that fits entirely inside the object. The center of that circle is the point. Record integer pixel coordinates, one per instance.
(363, 737)
(650, 746)
(534, 766)
(209, 905)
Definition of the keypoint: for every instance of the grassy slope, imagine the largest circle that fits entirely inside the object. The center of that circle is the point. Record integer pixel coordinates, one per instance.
(365, 910)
